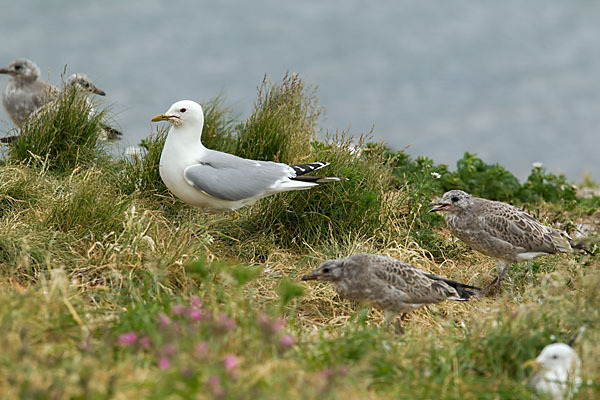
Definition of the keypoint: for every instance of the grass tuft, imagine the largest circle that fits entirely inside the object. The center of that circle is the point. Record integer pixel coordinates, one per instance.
(282, 124)
(63, 135)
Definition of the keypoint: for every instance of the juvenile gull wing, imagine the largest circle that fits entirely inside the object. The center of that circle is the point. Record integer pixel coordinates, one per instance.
(227, 177)
(517, 228)
(416, 284)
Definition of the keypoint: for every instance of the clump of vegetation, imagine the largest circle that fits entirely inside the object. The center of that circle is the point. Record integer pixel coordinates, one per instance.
(88, 205)
(219, 131)
(63, 135)
(355, 206)
(282, 124)
(140, 171)
(107, 290)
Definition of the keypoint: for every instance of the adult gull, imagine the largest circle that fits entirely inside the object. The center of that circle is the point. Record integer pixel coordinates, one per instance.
(203, 177)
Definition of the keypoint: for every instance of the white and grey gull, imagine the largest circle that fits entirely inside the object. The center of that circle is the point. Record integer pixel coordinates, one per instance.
(208, 178)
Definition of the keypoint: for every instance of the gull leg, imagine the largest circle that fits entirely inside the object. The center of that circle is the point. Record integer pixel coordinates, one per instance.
(501, 267)
(486, 289)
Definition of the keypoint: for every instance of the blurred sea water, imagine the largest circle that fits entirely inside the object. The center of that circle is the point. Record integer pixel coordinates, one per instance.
(515, 82)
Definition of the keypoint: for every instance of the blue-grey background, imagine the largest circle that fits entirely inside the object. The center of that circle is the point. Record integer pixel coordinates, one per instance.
(514, 81)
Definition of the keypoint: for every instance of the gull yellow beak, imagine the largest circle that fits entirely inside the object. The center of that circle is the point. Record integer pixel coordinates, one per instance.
(532, 364)
(160, 117)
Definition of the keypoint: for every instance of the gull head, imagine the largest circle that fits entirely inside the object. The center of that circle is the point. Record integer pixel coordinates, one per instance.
(83, 82)
(183, 113)
(559, 358)
(22, 69)
(557, 367)
(453, 201)
(330, 270)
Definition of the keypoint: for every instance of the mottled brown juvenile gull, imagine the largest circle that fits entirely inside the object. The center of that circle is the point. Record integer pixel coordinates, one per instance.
(500, 230)
(559, 371)
(388, 284)
(24, 93)
(207, 178)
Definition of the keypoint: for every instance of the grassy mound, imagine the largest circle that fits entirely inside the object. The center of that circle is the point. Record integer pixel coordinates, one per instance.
(112, 288)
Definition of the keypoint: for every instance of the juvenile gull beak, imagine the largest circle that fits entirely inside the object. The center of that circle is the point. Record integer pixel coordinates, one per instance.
(97, 91)
(309, 277)
(6, 71)
(438, 207)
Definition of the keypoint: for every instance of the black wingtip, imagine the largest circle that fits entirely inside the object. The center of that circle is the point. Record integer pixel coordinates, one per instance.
(301, 169)
(8, 139)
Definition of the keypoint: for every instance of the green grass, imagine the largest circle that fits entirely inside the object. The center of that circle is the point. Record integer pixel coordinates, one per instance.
(111, 288)
(64, 135)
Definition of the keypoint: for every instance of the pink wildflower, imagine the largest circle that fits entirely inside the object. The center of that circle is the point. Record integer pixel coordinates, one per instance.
(277, 325)
(168, 349)
(215, 385)
(177, 309)
(146, 342)
(195, 315)
(196, 302)
(128, 338)
(230, 362)
(227, 322)
(201, 349)
(287, 341)
(164, 363)
(164, 320)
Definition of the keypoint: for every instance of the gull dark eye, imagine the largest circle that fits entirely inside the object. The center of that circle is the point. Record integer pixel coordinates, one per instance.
(325, 270)
(454, 199)
(18, 67)
(555, 357)
(182, 110)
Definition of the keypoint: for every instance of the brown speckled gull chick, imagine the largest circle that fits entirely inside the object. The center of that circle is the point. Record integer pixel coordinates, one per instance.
(388, 284)
(500, 230)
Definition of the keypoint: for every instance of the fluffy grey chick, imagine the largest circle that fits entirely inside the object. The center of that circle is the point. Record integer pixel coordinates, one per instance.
(388, 284)
(500, 230)
(24, 93)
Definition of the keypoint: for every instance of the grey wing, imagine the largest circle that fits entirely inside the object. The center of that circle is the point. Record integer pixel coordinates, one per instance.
(518, 228)
(418, 287)
(232, 178)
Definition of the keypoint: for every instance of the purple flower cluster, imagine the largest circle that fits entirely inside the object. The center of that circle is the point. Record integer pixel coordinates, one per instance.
(191, 335)
(272, 327)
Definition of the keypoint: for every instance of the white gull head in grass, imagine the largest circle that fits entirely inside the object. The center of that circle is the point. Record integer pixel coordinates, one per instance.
(207, 178)
(558, 373)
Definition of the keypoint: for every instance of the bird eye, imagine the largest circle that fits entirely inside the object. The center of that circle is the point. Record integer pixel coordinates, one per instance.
(182, 110)
(454, 199)
(554, 357)
(18, 67)
(325, 270)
